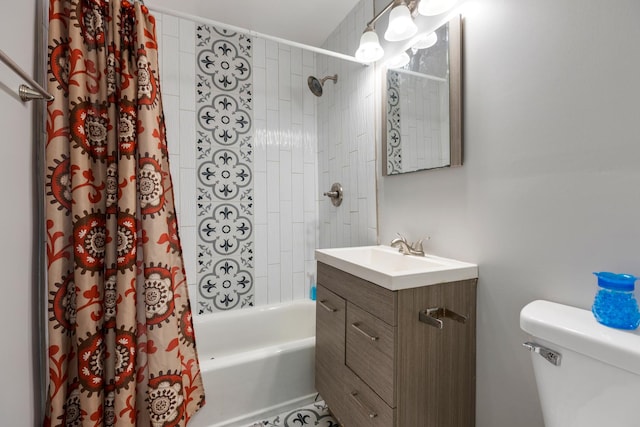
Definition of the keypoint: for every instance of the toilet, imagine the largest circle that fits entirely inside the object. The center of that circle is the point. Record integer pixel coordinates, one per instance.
(588, 375)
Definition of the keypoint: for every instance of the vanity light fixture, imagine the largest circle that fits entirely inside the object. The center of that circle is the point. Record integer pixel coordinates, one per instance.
(399, 60)
(401, 26)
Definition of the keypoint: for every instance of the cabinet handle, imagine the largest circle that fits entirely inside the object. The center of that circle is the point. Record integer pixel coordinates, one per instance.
(326, 307)
(354, 396)
(357, 328)
(433, 316)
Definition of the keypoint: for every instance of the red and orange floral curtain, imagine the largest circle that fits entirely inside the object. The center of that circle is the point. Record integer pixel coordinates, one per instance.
(121, 343)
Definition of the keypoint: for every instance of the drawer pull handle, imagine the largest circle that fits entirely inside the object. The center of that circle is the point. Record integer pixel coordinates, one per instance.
(326, 307)
(357, 328)
(354, 396)
(433, 316)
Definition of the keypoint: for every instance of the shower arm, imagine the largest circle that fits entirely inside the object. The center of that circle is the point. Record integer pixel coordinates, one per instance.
(334, 78)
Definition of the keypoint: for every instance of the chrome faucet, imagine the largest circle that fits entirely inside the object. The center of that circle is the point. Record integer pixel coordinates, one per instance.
(408, 249)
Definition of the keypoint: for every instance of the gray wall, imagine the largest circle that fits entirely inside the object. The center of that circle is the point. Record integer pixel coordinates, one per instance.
(19, 395)
(550, 188)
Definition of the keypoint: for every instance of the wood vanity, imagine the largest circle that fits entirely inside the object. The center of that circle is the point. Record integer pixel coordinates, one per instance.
(378, 364)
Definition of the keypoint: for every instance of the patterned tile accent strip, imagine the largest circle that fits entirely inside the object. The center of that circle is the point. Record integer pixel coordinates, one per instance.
(394, 150)
(224, 126)
(316, 414)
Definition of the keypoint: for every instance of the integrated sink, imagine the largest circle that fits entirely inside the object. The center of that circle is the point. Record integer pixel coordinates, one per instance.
(386, 267)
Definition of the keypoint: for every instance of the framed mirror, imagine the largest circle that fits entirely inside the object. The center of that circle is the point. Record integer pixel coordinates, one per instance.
(422, 105)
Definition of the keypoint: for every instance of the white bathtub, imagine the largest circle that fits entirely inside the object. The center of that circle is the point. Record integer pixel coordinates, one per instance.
(255, 362)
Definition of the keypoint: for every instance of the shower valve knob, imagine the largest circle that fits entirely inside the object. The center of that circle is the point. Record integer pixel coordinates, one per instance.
(335, 194)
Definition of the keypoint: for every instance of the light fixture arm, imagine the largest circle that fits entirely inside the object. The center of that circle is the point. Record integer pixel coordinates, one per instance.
(387, 8)
(412, 4)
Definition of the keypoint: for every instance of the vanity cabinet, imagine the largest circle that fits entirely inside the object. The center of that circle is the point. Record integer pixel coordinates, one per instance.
(378, 364)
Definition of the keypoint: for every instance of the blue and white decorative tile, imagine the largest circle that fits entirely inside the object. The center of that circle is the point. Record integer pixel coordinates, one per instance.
(226, 229)
(224, 119)
(224, 128)
(224, 176)
(204, 207)
(226, 262)
(204, 145)
(246, 149)
(205, 259)
(225, 58)
(207, 34)
(394, 150)
(316, 414)
(228, 286)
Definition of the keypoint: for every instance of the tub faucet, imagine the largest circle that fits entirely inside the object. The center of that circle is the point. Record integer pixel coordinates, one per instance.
(407, 249)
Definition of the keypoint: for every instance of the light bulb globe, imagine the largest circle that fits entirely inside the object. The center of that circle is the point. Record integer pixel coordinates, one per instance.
(399, 60)
(401, 26)
(369, 49)
(424, 41)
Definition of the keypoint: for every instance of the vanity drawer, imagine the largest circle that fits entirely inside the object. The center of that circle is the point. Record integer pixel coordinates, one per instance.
(370, 351)
(377, 300)
(363, 406)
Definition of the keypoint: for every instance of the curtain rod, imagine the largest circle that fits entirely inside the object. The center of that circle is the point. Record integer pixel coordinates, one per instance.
(26, 93)
(420, 75)
(255, 34)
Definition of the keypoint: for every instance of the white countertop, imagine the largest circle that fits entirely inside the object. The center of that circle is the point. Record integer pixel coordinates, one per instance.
(386, 267)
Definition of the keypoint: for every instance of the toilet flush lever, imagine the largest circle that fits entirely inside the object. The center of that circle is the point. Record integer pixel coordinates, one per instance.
(551, 356)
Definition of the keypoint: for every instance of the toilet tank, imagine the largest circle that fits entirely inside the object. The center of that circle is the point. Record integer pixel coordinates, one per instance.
(597, 379)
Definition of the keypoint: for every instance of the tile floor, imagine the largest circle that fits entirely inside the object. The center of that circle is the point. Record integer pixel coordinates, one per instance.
(316, 414)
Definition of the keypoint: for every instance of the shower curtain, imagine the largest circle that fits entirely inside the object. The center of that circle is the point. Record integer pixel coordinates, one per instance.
(121, 343)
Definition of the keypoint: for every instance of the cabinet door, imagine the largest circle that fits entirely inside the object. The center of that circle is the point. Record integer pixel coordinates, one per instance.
(330, 347)
(436, 370)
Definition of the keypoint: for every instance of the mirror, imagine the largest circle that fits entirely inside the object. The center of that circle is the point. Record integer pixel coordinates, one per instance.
(422, 106)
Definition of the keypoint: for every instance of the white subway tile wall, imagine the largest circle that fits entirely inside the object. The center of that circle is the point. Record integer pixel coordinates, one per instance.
(176, 39)
(346, 139)
(286, 183)
(285, 158)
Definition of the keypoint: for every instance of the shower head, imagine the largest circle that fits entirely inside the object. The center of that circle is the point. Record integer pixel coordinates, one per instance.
(315, 85)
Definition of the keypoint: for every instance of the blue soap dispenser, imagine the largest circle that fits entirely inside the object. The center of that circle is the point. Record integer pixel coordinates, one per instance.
(312, 288)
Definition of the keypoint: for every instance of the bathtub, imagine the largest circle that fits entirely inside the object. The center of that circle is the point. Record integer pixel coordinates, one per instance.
(255, 362)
